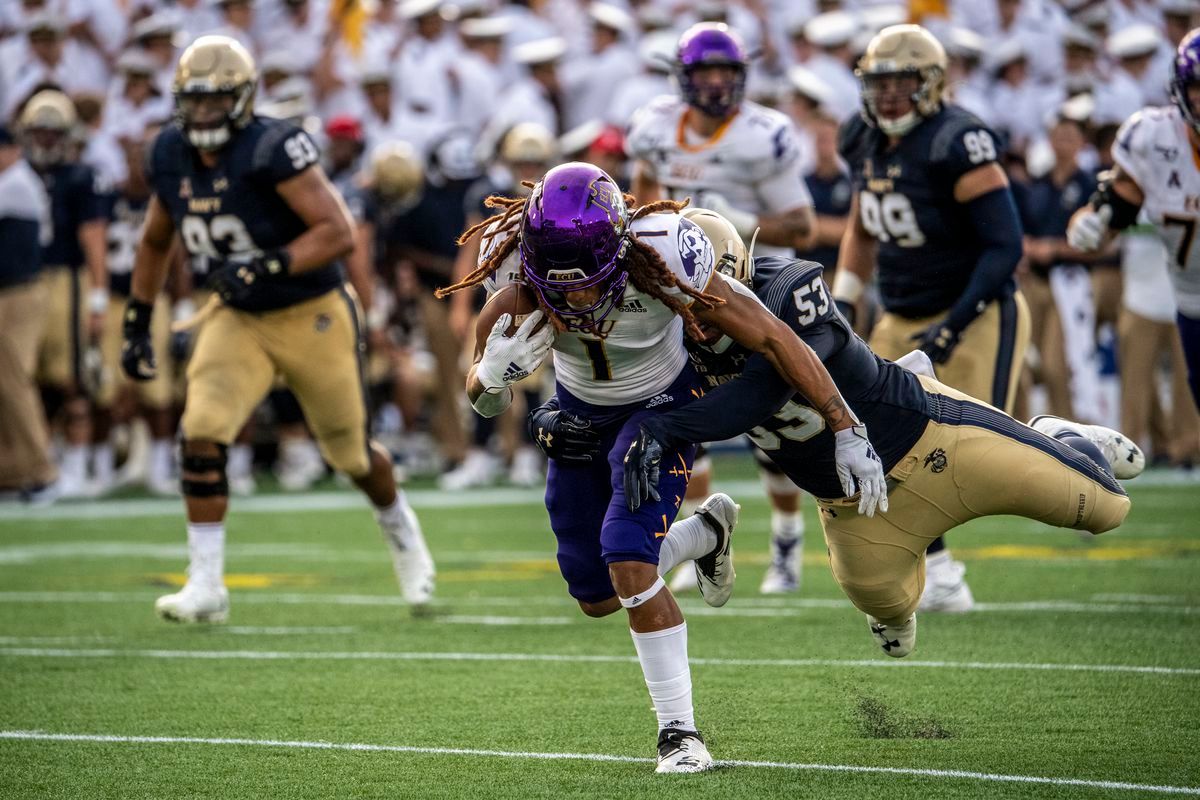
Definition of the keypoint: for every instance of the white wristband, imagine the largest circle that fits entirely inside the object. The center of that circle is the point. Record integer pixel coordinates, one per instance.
(377, 318)
(98, 300)
(184, 309)
(847, 286)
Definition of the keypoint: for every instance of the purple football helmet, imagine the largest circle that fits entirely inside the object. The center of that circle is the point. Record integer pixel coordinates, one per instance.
(708, 44)
(1185, 70)
(574, 235)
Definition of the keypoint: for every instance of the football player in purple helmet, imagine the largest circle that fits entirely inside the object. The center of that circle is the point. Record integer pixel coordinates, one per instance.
(621, 287)
(1152, 177)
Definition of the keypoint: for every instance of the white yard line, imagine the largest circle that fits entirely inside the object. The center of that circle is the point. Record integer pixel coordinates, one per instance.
(750, 607)
(316, 655)
(279, 630)
(950, 774)
(92, 550)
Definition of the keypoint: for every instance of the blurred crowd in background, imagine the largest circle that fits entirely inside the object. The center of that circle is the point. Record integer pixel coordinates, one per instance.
(425, 107)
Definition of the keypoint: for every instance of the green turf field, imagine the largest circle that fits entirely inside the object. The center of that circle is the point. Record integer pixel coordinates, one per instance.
(1078, 676)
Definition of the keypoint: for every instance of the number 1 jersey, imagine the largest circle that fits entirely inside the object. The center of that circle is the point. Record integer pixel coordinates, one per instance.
(927, 246)
(234, 209)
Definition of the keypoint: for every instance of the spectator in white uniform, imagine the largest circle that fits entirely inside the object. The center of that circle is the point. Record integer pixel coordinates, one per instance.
(1016, 105)
(157, 35)
(1141, 52)
(655, 51)
(830, 36)
(481, 69)
(237, 22)
(595, 78)
(967, 83)
(537, 97)
(300, 31)
(1117, 94)
(423, 71)
(45, 55)
(134, 101)
(195, 17)
(809, 97)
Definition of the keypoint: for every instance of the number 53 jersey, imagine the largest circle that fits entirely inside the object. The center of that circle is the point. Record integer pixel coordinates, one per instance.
(234, 209)
(1153, 148)
(927, 250)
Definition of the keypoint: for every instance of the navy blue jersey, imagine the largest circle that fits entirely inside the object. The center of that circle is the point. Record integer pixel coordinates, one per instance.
(76, 198)
(1046, 208)
(927, 246)
(427, 233)
(887, 398)
(124, 232)
(234, 208)
(831, 197)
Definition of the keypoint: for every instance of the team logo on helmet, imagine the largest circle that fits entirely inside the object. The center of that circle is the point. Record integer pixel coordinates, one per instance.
(694, 249)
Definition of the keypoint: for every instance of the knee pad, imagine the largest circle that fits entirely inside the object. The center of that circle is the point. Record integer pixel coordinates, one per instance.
(204, 463)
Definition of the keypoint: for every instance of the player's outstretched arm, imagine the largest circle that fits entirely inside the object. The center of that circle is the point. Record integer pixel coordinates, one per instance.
(151, 263)
(856, 264)
(330, 233)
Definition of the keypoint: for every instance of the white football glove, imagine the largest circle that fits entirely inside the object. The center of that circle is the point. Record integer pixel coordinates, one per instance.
(1086, 231)
(745, 222)
(857, 463)
(508, 359)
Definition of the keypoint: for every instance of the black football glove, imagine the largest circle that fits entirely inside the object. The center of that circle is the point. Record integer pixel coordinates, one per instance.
(239, 279)
(642, 463)
(937, 341)
(563, 436)
(137, 354)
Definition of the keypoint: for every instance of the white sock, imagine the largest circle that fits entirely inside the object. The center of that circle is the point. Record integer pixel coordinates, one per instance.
(241, 460)
(206, 549)
(787, 525)
(688, 507)
(104, 463)
(938, 560)
(160, 457)
(397, 520)
(664, 659)
(74, 462)
(686, 540)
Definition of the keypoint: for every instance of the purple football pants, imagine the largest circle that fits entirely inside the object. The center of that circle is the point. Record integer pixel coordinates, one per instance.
(587, 503)
(1189, 334)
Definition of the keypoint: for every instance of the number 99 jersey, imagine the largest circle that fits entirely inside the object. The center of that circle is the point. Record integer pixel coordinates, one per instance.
(1153, 148)
(906, 202)
(233, 209)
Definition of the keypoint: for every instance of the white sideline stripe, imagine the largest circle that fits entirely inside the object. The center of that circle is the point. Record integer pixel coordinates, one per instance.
(472, 619)
(279, 630)
(749, 607)
(92, 550)
(369, 655)
(596, 757)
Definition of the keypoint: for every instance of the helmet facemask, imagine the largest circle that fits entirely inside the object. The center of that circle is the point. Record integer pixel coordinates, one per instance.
(210, 117)
(925, 99)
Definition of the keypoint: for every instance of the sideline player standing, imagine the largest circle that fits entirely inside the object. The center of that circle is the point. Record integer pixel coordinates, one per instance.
(1156, 173)
(741, 160)
(934, 210)
(250, 201)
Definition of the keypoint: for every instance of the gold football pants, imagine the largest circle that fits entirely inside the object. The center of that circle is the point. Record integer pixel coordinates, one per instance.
(972, 461)
(987, 361)
(317, 349)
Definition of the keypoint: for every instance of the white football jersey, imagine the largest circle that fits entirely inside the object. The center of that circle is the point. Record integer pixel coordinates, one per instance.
(753, 161)
(642, 351)
(1154, 149)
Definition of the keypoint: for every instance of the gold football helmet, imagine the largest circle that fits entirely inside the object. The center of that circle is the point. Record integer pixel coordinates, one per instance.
(46, 124)
(733, 258)
(395, 171)
(903, 50)
(529, 143)
(214, 90)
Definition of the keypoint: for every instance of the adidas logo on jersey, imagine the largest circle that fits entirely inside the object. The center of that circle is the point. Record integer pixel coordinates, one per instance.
(633, 307)
(659, 399)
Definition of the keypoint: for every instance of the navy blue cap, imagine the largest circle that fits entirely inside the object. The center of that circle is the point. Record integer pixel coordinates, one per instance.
(6, 136)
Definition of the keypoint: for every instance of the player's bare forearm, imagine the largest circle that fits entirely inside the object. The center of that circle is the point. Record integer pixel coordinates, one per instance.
(93, 240)
(829, 231)
(330, 233)
(358, 265)
(794, 228)
(748, 322)
(152, 261)
(645, 185)
(858, 249)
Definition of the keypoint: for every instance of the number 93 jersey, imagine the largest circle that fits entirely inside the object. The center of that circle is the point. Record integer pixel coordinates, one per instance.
(640, 350)
(233, 209)
(927, 250)
(1153, 148)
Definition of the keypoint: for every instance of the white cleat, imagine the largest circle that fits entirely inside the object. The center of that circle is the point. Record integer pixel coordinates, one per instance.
(945, 589)
(684, 579)
(896, 640)
(783, 575)
(195, 602)
(526, 470)
(682, 751)
(714, 572)
(479, 468)
(300, 465)
(411, 559)
(1126, 458)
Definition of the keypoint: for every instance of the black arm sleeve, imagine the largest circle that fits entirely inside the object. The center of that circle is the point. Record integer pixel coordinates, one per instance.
(728, 410)
(996, 223)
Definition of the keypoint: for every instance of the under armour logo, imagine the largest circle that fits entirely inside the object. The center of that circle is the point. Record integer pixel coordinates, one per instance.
(886, 643)
(515, 373)
(544, 439)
